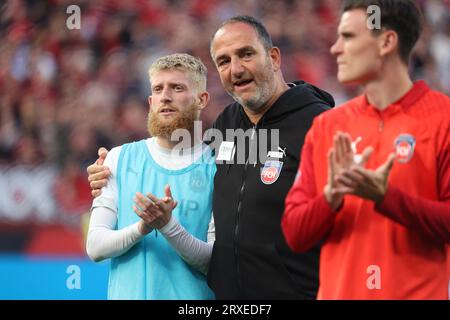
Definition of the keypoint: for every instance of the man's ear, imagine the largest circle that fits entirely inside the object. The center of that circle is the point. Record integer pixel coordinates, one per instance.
(275, 56)
(204, 99)
(388, 42)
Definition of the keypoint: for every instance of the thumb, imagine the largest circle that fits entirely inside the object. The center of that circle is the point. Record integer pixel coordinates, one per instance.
(331, 161)
(102, 152)
(387, 165)
(331, 156)
(167, 191)
(366, 155)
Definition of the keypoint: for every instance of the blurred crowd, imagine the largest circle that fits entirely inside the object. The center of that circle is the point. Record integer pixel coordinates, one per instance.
(64, 93)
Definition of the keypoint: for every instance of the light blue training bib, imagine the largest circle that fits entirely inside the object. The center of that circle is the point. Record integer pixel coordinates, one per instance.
(152, 269)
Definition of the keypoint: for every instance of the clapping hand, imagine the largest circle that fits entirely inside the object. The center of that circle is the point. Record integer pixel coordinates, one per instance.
(154, 212)
(341, 158)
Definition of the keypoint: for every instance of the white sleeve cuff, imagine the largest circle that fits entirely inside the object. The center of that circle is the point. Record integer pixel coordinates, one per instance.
(170, 227)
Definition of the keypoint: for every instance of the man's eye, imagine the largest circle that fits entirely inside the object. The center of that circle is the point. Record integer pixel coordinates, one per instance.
(222, 63)
(347, 36)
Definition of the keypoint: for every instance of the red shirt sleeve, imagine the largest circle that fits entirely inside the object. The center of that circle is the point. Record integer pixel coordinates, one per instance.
(307, 217)
(432, 218)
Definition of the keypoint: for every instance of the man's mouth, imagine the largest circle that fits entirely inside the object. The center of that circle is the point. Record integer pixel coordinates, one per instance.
(167, 111)
(242, 83)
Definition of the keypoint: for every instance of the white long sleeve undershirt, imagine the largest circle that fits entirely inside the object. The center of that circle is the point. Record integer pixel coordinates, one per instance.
(104, 241)
(195, 252)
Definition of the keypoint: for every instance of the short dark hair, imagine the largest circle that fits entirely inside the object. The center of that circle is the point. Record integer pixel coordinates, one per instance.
(259, 27)
(402, 16)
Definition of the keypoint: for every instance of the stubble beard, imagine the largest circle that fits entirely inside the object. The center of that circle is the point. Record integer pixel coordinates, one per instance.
(262, 92)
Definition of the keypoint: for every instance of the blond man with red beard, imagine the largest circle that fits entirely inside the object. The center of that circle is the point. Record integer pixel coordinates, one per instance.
(136, 221)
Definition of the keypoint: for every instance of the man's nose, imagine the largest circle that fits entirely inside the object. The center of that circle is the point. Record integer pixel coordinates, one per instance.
(237, 69)
(336, 48)
(166, 96)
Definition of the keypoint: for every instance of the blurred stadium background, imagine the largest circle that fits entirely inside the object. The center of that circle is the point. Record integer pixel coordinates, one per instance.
(64, 93)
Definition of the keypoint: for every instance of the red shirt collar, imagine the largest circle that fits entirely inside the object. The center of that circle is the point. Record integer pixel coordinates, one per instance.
(418, 89)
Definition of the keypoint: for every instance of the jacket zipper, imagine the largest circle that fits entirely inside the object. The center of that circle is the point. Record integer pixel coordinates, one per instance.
(239, 208)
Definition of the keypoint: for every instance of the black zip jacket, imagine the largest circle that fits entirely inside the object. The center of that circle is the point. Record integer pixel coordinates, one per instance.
(250, 258)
